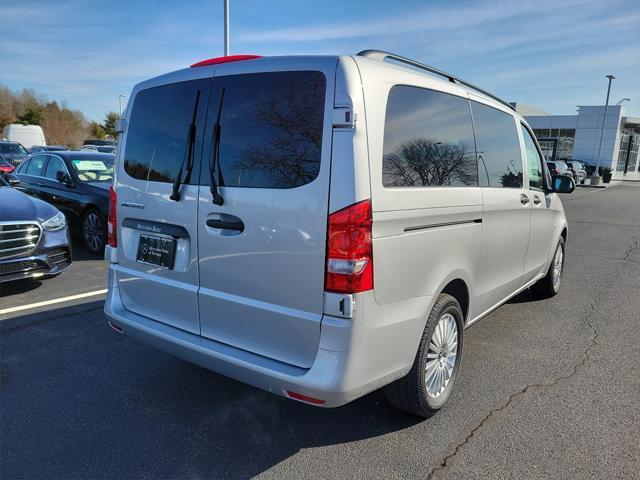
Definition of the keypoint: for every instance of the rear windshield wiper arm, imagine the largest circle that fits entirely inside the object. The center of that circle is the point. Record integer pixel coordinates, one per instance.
(188, 154)
(215, 157)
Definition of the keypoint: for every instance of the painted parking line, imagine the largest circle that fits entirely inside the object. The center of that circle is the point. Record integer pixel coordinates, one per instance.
(52, 302)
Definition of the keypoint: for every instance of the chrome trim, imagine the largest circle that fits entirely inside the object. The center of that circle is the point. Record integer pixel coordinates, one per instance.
(443, 224)
(33, 245)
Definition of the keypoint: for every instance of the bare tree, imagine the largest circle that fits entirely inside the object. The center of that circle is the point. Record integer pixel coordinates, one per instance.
(289, 155)
(423, 162)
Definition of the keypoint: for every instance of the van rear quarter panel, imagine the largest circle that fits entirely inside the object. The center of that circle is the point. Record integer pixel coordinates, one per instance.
(416, 263)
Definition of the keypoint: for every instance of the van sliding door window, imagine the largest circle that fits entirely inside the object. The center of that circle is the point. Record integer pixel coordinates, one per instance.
(499, 157)
(271, 127)
(158, 131)
(428, 140)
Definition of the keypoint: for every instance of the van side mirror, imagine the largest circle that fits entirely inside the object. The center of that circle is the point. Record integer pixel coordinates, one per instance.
(12, 179)
(62, 177)
(562, 184)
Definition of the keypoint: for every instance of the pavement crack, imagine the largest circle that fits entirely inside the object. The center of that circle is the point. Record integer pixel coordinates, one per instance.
(634, 245)
(440, 470)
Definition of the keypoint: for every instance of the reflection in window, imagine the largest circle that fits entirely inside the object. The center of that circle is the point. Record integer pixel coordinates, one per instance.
(428, 140)
(271, 129)
(499, 157)
(159, 129)
(534, 162)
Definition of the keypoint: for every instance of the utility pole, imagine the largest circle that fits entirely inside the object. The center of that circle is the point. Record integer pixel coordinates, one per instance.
(596, 172)
(226, 28)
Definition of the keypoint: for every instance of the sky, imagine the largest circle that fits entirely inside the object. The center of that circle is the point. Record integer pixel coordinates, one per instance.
(550, 54)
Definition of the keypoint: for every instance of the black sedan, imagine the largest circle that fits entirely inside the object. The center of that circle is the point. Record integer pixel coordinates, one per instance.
(34, 239)
(78, 184)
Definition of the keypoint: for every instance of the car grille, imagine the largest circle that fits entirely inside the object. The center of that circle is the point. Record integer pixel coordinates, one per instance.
(21, 266)
(59, 257)
(17, 239)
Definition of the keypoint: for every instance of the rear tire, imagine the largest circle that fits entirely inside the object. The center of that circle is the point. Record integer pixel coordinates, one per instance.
(428, 385)
(549, 285)
(94, 230)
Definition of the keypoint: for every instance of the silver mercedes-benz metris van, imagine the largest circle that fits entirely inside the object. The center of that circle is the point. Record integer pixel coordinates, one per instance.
(321, 227)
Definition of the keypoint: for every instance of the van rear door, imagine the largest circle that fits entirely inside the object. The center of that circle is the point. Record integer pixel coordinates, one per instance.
(262, 252)
(158, 267)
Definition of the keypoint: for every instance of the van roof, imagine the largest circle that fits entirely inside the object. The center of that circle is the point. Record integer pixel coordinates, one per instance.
(372, 57)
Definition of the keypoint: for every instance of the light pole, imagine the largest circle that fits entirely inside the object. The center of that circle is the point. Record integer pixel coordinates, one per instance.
(596, 172)
(622, 100)
(226, 28)
(120, 97)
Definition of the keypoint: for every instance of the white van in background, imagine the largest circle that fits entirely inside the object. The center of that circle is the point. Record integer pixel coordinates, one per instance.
(27, 135)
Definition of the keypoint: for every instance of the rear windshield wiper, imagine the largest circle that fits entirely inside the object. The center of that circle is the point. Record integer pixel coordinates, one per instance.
(214, 161)
(188, 154)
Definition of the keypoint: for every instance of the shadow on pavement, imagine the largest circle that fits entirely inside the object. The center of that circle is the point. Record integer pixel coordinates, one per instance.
(80, 400)
(79, 252)
(18, 286)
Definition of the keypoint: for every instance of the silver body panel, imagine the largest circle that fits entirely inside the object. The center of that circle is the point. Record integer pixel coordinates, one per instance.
(252, 306)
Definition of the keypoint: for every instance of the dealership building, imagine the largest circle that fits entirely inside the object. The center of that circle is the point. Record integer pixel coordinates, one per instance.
(578, 136)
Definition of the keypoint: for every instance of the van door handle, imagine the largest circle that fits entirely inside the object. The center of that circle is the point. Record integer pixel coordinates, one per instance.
(226, 222)
(524, 199)
(536, 200)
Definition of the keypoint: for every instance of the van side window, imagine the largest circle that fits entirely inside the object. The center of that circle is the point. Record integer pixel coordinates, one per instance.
(270, 129)
(499, 156)
(428, 140)
(534, 161)
(158, 130)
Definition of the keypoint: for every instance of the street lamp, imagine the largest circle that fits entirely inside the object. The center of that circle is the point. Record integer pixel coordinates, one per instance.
(623, 100)
(120, 97)
(226, 28)
(595, 177)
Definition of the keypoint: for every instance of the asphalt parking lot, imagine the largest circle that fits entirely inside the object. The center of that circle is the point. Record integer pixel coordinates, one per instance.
(547, 389)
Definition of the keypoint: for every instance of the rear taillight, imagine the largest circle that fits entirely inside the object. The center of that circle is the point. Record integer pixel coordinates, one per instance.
(111, 224)
(349, 250)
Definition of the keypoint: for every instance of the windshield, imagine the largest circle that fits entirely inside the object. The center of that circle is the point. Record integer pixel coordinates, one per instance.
(13, 148)
(94, 169)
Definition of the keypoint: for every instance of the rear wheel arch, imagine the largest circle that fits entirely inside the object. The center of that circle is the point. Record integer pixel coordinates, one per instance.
(459, 289)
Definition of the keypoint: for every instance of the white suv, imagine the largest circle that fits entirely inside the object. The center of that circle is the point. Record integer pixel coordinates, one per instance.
(321, 227)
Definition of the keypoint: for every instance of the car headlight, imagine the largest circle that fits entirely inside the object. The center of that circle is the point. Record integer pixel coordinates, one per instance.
(57, 222)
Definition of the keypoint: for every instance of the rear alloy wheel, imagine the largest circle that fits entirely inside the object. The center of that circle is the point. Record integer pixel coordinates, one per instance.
(94, 231)
(427, 386)
(549, 285)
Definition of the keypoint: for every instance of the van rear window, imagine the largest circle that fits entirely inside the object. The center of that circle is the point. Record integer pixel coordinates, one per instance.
(270, 128)
(158, 132)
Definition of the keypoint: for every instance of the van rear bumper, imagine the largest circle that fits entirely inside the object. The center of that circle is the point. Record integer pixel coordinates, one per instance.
(335, 377)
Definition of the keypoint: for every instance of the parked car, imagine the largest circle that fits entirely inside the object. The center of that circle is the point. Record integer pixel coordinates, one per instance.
(581, 172)
(24, 134)
(34, 238)
(94, 141)
(5, 167)
(48, 148)
(553, 170)
(100, 148)
(75, 182)
(13, 152)
(295, 241)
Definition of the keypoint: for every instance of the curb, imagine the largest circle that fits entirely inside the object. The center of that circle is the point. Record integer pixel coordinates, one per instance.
(591, 186)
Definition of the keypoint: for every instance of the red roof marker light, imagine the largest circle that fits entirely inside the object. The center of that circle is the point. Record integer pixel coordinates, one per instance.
(227, 59)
